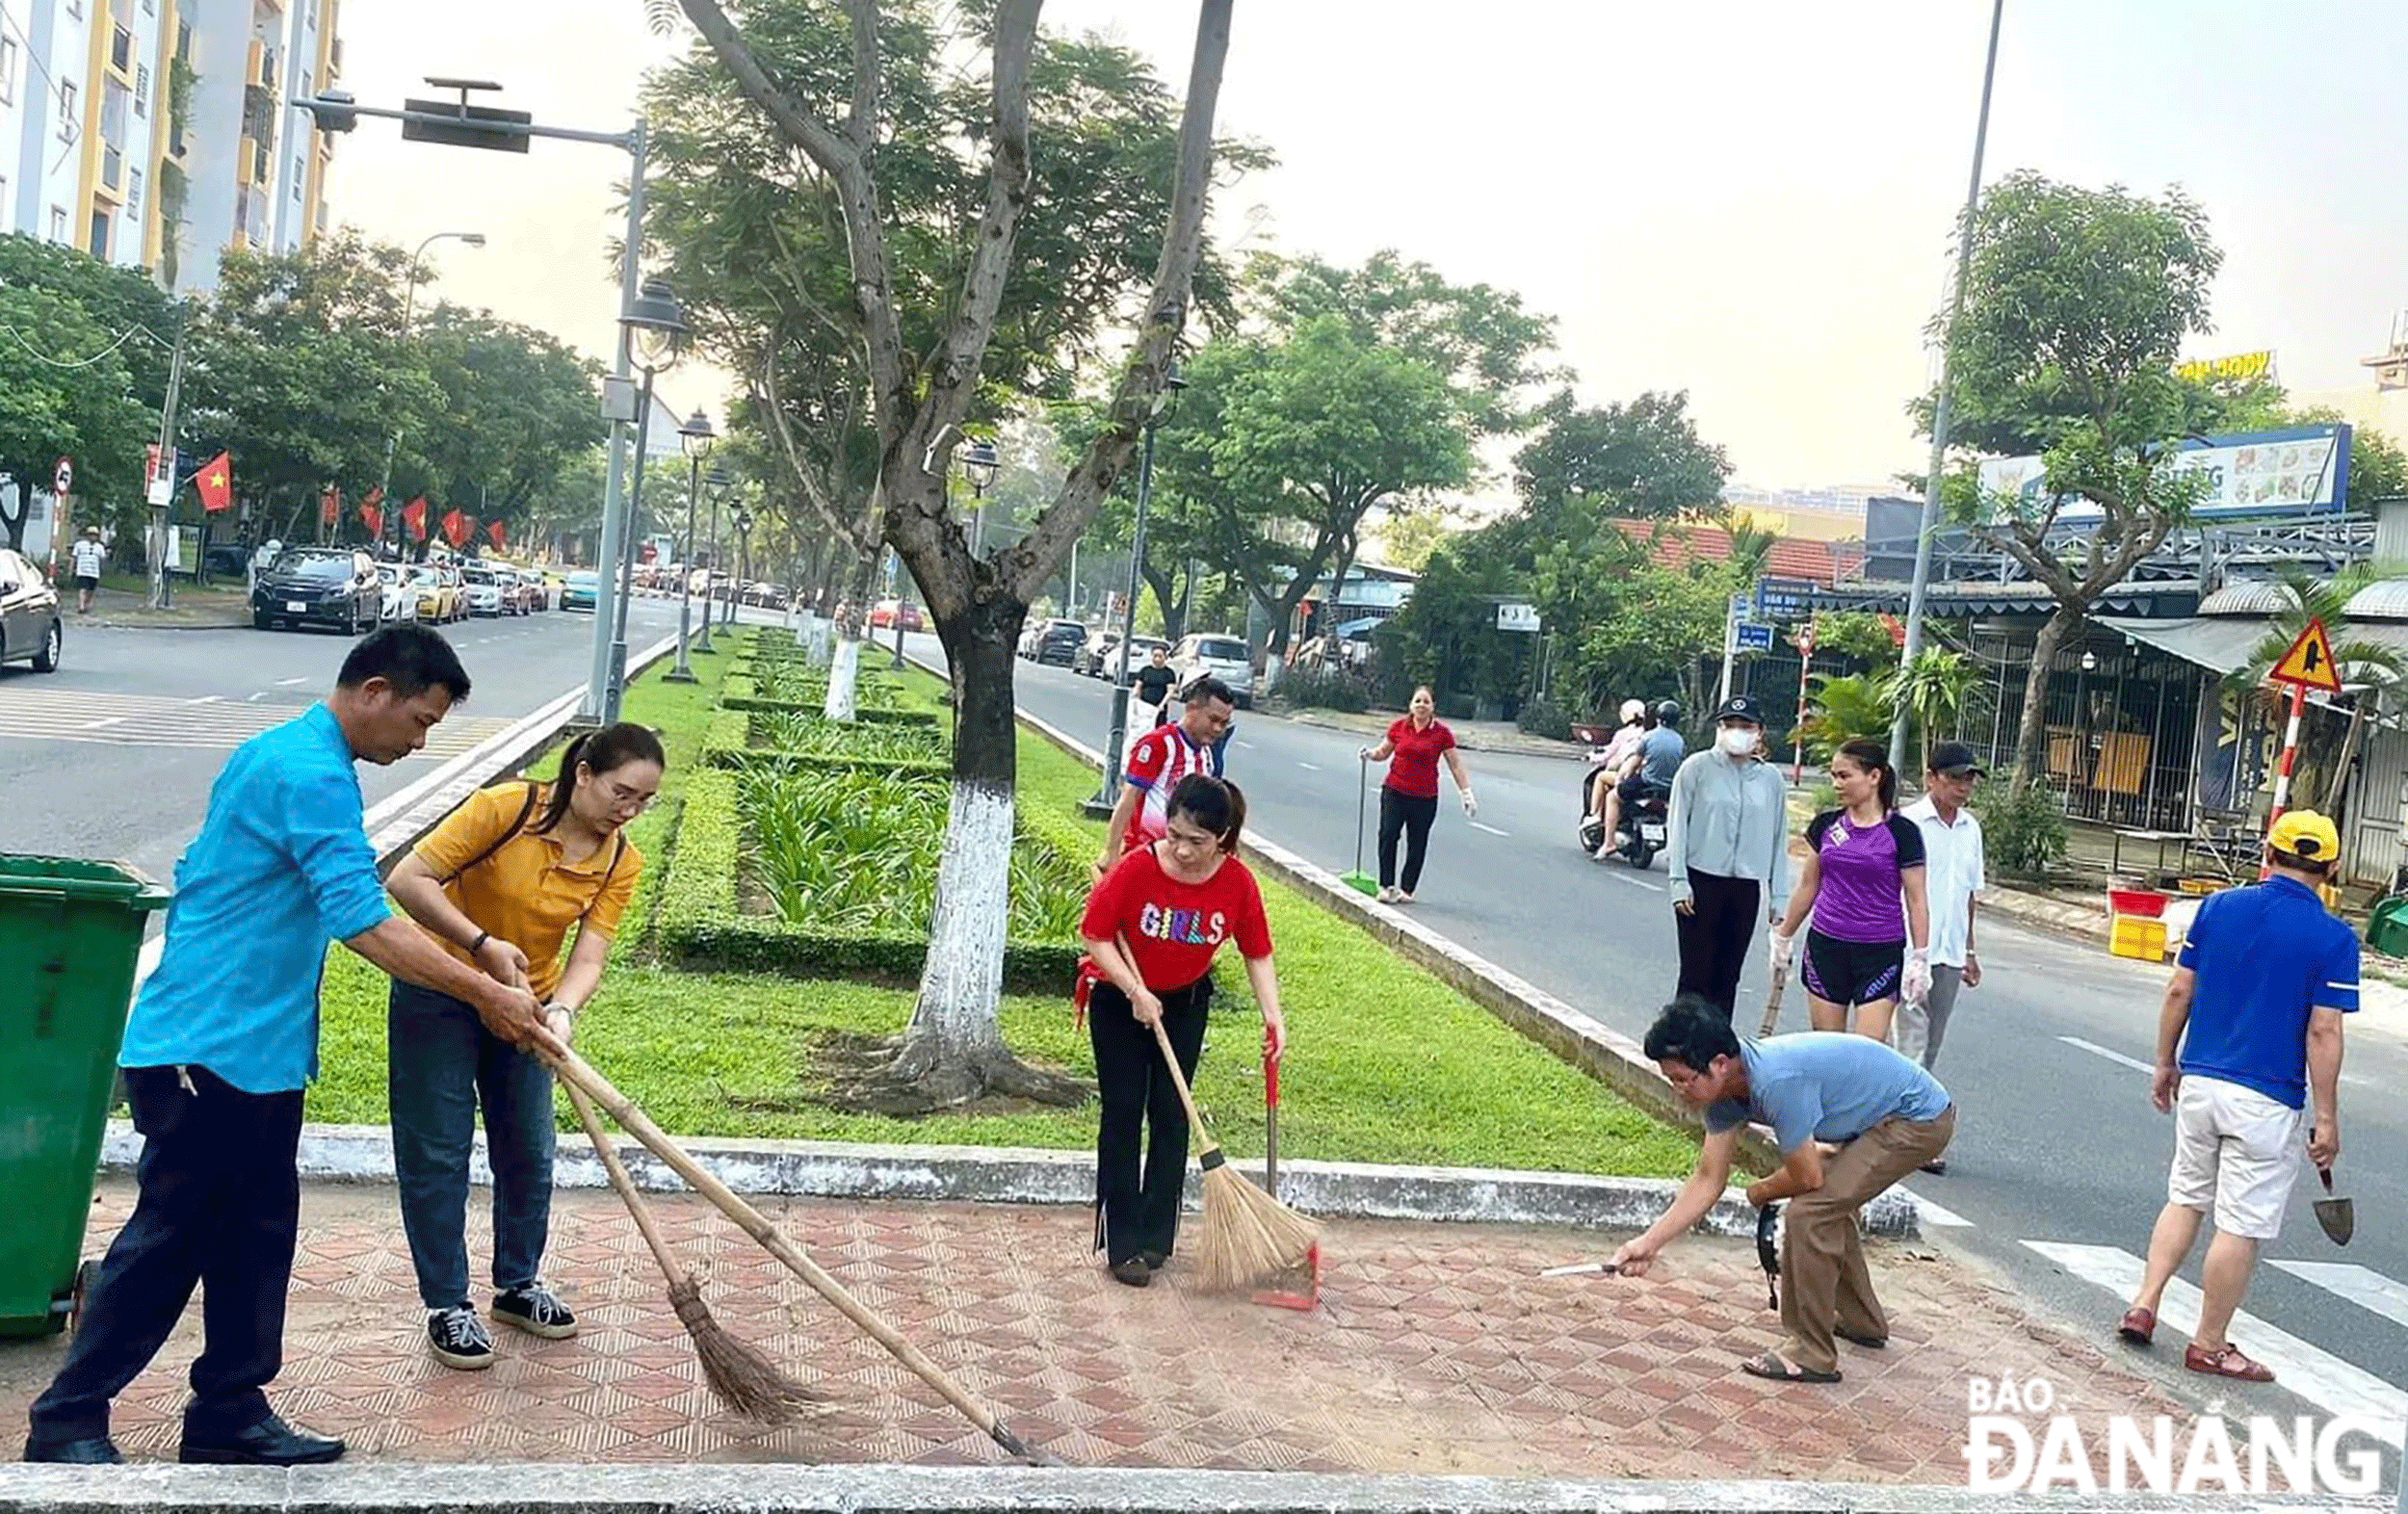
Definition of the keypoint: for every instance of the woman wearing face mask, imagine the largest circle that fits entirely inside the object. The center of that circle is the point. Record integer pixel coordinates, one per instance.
(1728, 847)
(1408, 799)
(501, 882)
(1861, 859)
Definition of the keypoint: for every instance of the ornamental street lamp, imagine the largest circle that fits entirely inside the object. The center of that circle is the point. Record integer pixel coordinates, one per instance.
(742, 517)
(695, 437)
(717, 482)
(654, 326)
(979, 464)
(410, 302)
(1115, 744)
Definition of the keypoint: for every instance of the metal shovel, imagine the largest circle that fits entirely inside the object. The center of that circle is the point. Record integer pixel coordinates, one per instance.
(2335, 1214)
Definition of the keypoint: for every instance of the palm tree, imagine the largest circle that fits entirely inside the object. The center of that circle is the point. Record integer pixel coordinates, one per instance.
(1843, 709)
(2368, 670)
(1933, 689)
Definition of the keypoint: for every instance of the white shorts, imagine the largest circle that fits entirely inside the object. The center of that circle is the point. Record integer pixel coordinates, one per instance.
(2237, 1150)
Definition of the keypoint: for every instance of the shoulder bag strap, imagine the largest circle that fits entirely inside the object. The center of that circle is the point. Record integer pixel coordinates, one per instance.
(618, 850)
(525, 809)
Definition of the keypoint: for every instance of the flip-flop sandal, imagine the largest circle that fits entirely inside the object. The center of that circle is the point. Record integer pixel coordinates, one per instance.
(2139, 1326)
(1772, 1365)
(1870, 1343)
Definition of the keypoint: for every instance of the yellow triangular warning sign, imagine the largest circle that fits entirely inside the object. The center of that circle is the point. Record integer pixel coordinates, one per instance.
(2309, 663)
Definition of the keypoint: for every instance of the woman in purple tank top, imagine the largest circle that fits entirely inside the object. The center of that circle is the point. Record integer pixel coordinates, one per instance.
(1862, 859)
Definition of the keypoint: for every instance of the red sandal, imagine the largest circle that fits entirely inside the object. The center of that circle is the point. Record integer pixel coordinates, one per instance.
(2139, 1325)
(2225, 1360)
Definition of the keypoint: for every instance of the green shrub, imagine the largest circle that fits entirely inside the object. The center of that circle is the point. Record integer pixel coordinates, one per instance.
(799, 732)
(1457, 706)
(2022, 834)
(1318, 688)
(1545, 718)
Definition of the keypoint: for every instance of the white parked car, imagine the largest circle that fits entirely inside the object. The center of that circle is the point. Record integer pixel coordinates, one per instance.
(1221, 655)
(401, 595)
(484, 591)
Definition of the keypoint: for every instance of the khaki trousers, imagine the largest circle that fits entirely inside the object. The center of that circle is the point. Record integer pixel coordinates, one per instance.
(1825, 1283)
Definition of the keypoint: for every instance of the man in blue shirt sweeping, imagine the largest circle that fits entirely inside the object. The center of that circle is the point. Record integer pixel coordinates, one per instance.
(2254, 1008)
(222, 1042)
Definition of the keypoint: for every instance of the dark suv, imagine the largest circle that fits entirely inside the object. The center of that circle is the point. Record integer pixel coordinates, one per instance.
(1058, 643)
(319, 586)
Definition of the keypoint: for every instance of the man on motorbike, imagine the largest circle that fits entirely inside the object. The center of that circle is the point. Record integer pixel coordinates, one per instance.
(1613, 760)
(1653, 765)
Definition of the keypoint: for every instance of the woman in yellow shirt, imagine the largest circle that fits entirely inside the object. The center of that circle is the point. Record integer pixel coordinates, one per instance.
(500, 883)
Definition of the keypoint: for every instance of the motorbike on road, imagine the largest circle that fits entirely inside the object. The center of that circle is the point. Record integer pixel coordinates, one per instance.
(1640, 832)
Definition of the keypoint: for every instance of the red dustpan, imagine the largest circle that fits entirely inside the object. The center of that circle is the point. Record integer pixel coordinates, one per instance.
(1301, 1290)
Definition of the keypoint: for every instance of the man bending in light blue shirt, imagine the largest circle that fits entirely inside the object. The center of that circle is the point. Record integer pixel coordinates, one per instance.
(223, 1040)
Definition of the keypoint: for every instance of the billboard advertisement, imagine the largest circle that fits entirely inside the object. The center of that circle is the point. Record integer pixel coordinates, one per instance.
(2297, 471)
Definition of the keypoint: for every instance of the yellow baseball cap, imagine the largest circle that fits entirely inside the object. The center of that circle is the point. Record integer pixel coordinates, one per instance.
(2304, 833)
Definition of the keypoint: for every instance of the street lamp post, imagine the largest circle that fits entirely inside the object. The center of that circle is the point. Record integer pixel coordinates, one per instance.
(719, 481)
(1115, 744)
(695, 437)
(410, 302)
(978, 465)
(654, 325)
(742, 516)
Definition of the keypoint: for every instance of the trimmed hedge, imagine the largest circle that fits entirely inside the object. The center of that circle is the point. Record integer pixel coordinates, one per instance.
(703, 925)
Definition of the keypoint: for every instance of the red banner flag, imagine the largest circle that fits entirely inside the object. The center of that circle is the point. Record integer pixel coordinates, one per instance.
(330, 505)
(455, 528)
(215, 483)
(375, 495)
(373, 519)
(493, 529)
(414, 517)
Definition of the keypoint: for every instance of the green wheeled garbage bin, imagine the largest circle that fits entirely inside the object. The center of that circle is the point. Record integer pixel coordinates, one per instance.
(2388, 930)
(71, 933)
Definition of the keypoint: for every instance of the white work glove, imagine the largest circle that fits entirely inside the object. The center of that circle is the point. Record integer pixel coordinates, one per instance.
(1915, 986)
(1782, 947)
(1470, 806)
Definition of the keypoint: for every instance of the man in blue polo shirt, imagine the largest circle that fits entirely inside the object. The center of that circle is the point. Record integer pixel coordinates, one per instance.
(224, 1038)
(2255, 1008)
(1851, 1117)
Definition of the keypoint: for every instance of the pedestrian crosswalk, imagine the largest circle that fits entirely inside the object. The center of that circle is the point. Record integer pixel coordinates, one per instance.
(208, 722)
(2333, 1385)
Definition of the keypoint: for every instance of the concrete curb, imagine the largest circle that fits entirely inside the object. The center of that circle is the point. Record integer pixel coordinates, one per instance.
(1607, 1054)
(363, 1154)
(408, 1488)
(103, 623)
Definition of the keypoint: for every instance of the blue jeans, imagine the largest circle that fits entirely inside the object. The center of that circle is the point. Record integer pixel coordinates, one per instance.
(440, 1065)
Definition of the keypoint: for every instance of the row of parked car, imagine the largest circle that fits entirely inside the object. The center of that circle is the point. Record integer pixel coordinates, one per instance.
(350, 590)
(1094, 651)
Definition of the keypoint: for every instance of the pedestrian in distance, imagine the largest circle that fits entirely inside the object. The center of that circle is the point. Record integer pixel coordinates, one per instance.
(262, 559)
(1654, 763)
(1151, 928)
(1954, 874)
(1727, 846)
(1152, 684)
(502, 883)
(224, 1038)
(86, 557)
(1861, 860)
(2251, 1028)
(1408, 797)
(1850, 1116)
(1158, 760)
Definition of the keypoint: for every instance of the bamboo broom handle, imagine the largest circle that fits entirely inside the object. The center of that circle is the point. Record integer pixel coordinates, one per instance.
(619, 1180)
(632, 1120)
(1179, 1081)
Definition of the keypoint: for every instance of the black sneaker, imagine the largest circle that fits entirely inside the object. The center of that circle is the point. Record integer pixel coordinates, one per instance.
(1132, 1272)
(537, 1310)
(459, 1338)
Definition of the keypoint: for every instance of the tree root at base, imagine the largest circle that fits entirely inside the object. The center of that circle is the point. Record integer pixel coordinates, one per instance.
(896, 1076)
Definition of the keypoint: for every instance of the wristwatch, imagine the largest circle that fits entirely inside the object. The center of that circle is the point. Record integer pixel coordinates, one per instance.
(478, 945)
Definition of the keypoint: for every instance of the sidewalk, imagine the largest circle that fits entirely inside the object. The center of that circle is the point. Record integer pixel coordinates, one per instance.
(1435, 1349)
(190, 610)
(1473, 736)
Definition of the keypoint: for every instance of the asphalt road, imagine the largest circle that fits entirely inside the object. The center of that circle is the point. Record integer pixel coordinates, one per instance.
(2057, 1146)
(113, 755)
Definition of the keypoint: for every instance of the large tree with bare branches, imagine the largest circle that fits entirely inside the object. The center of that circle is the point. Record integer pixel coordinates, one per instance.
(921, 395)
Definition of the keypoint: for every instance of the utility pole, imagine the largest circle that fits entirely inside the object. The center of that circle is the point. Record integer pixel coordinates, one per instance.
(159, 491)
(1921, 587)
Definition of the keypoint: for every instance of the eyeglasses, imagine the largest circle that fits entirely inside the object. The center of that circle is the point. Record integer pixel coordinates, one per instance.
(619, 797)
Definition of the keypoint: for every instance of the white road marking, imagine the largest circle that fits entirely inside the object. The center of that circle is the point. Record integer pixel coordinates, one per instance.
(94, 725)
(1938, 1213)
(1491, 829)
(1652, 888)
(2096, 1050)
(1248, 746)
(1310, 766)
(255, 699)
(203, 699)
(2315, 1374)
(287, 683)
(2368, 1289)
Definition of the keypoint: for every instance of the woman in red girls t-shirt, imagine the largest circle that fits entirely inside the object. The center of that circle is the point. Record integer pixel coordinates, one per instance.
(1151, 928)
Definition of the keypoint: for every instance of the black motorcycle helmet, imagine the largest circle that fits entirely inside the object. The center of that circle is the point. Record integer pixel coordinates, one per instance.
(1669, 713)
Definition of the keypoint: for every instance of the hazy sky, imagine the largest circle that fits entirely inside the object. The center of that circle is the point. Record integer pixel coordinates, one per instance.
(1751, 199)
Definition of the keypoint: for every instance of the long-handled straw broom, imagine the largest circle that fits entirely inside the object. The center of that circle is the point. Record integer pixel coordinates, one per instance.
(1249, 1237)
(581, 1076)
(743, 1379)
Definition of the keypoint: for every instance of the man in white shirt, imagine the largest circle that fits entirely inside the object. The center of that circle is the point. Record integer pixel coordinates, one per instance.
(86, 557)
(1954, 877)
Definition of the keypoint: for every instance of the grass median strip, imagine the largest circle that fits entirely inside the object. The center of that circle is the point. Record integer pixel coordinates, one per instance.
(1386, 1063)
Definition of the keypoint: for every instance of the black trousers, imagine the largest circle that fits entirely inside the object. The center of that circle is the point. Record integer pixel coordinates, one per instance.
(1412, 817)
(1715, 936)
(1137, 1198)
(219, 1206)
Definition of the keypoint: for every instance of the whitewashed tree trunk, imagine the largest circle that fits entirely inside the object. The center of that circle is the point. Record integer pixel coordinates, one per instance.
(842, 679)
(964, 972)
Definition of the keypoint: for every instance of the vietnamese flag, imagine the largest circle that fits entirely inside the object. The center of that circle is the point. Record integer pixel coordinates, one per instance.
(331, 505)
(215, 483)
(414, 516)
(373, 519)
(455, 528)
(493, 529)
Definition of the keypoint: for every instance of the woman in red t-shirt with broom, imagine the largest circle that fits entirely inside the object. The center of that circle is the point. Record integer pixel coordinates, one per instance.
(1408, 800)
(1152, 927)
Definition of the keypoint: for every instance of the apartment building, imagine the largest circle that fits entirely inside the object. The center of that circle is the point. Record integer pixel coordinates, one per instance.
(158, 134)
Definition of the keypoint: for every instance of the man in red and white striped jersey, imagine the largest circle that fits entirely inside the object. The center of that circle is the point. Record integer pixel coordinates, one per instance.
(1159, 759)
